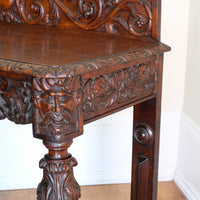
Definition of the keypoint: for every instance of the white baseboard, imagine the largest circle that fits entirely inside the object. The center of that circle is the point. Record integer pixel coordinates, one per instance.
(187, 175)
(185, 187)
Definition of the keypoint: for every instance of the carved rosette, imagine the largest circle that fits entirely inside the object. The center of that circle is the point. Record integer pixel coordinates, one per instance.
(58, 180)
(15, 100)
(112, 16)
(57, 111)
(105, 91)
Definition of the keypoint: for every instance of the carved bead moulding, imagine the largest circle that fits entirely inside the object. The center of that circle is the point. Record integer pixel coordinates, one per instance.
(105, 92)
(79, 68)
(58, 180)
(57, 108)
(15, 100)
(112, 16)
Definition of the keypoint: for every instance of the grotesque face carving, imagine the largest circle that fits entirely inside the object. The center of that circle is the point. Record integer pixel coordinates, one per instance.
(56, 108)
(56, 112)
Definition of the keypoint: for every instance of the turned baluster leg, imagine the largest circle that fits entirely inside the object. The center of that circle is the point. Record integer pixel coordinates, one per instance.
(58, 181)
(146, 131)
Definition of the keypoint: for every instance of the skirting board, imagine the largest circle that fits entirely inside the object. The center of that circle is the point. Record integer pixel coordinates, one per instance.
(186, 188)
(186, 175)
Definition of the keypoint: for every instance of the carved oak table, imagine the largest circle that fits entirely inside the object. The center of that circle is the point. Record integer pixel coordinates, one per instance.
(66, 63)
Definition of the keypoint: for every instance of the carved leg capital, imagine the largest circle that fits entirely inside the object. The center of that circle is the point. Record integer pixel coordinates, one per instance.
(58, 181)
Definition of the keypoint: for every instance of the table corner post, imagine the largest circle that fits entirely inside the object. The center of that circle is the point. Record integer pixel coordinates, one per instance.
(146, 135)
(57, 119)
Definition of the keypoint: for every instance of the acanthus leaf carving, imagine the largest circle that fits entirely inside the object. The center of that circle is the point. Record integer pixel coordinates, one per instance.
(58, 180)
(15, 100)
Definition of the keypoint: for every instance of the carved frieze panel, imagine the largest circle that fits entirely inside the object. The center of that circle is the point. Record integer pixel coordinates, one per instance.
(103, 92)
(15, 100)
(112, 16)
(57, 111)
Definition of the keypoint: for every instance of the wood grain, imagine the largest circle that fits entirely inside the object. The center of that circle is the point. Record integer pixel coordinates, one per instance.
(54, 47)
(166, 191)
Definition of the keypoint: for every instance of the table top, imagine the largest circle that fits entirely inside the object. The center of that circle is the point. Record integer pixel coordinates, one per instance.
(49, 52)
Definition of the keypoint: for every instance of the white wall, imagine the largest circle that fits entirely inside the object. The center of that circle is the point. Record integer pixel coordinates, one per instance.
(103, 152)
(174, 32)
(192, 84)
(187, 175)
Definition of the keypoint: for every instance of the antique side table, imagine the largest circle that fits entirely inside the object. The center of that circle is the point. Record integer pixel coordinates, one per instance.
(66, 63)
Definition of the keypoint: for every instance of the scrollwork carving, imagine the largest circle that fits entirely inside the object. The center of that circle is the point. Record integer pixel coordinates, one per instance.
(57, 108)
(30, 11)
(58, 180)
(112, 16)
(103, 92)
(15, 100)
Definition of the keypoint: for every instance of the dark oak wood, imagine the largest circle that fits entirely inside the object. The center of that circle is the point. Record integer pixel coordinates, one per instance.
(64, 64)
(137, 18)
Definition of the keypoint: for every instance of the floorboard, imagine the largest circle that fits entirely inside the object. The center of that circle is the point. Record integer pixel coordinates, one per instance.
(166, 191)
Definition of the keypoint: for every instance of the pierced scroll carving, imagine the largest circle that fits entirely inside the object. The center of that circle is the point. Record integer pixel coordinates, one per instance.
(30, 11)
(102, 92)
(112, 16)
(15, 100)
(57, 108)
(58, 180)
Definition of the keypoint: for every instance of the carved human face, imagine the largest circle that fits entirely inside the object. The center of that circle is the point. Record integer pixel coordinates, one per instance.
(56, 111)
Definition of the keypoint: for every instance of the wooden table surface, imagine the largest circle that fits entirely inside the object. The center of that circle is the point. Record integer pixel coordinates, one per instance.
(53, 47)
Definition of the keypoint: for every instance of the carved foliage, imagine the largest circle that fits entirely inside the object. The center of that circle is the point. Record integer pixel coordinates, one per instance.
(115, 88)
(58, 180)
(30, 11)
(112, 16)
(57, 108)
(15, 100)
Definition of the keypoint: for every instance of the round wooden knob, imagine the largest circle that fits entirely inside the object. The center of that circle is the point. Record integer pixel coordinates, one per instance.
(143, 134)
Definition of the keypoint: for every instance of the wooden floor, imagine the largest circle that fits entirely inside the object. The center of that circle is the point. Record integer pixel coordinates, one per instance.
(166, 191)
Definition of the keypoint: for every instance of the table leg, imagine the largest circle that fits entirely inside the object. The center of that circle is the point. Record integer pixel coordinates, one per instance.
(57, 119)
(58, 181)
(146, 131)
(145, 152)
